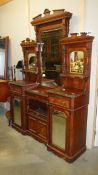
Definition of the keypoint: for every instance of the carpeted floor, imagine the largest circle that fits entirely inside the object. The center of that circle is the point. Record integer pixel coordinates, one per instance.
(22, 155)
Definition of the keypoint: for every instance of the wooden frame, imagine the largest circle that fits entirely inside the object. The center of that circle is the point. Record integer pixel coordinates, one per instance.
(5, 42)
(57, 20)
(29, 47)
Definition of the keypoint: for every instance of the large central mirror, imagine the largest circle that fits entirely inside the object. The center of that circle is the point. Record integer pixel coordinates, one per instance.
(51, 61)
(4, 57)
(50, 27)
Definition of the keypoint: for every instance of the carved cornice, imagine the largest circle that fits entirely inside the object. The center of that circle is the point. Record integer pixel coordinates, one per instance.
(76, 37)
(28, 42)
(50, 17)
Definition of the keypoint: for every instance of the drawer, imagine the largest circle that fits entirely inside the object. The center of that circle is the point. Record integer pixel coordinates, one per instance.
(65, 102)
(15, 89)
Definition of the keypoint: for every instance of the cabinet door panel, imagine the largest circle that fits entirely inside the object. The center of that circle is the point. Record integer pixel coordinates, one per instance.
(32, 124)
(42, 129)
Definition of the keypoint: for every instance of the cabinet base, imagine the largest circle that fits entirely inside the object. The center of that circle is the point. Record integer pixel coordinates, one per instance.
(68, 158)
(36, 137)
(19, 129)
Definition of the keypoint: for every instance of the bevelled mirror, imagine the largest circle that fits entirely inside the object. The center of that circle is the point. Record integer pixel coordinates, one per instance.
(4, 42)
(51, 61)
(59, 129)
(17, 111)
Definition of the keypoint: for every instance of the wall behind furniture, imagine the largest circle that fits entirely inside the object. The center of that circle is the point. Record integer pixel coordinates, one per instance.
(15, 18)
(38, 7)
(91, 25)
(13, 22)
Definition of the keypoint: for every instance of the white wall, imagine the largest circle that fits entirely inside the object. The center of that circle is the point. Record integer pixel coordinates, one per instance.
(13, 22)
(90, 25)
(74, 7)
(15, 18)
(91, 15)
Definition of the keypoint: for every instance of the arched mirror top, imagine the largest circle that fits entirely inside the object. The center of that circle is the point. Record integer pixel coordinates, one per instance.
(4, 42)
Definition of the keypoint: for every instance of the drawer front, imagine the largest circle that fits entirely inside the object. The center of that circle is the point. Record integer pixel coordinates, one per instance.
(15, 89)
(37, 97)
(64, 102)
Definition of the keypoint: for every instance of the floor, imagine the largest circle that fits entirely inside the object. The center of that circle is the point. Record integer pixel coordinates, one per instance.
(22, 155)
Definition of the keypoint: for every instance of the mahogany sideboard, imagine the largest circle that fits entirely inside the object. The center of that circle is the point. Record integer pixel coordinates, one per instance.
(54, 113)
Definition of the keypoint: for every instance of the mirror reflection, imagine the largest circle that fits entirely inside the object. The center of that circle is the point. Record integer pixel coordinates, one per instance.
(51, 60)
(4, 57)
(31, 60)
(77, 62)
(17, 111)
(2, 61)
(59, 129)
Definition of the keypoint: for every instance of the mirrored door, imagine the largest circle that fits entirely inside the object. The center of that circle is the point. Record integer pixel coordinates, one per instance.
(4, 42)
(17, 111)
(59, 129)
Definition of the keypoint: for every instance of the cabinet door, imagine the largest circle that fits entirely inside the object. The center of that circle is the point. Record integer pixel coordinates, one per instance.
(32, 123)
(17, 111)
(59, 129)
(42, 129)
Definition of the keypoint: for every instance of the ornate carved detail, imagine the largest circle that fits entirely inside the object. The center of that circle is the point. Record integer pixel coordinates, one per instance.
(59, 11)
(50, 17)
(46, 12)
(27, 41)
(37, 17)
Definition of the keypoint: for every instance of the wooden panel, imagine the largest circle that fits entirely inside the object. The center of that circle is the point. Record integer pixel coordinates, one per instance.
(32, 124)
(42, 129)
(59, 101)
(37, 128)
(4, 90)
(15, 89)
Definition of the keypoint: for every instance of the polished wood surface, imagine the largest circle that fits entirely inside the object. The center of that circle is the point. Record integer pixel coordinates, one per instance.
(4, 90)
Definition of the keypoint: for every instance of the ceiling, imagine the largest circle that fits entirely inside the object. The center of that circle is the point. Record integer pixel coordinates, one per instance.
(2, 2)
